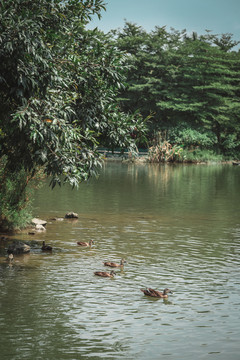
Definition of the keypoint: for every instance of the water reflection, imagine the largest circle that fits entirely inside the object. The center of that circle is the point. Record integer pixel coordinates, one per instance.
(177, 227)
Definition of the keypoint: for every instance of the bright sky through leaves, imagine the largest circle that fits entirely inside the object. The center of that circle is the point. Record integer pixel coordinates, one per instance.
(220, 16)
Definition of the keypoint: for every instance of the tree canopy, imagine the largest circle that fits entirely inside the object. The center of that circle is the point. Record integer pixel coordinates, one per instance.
(58, 85)
(58, 88)
(184, 81)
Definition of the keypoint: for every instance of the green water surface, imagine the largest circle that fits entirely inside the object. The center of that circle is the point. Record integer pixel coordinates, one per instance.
(178, 226)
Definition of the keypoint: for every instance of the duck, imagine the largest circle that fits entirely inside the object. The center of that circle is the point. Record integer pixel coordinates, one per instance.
(105, 274)
(156, 293)
(10, 258)
(46, 247)
(82, 243)
(113, 264)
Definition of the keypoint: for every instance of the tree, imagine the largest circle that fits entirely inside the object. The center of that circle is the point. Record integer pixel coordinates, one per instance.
(183, 79)
(207, 87)
(58, 84)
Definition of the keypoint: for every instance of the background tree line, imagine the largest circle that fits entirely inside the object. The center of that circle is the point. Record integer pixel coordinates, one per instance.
(189, 84)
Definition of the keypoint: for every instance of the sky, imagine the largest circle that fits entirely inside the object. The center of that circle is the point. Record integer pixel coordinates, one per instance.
(219, 16)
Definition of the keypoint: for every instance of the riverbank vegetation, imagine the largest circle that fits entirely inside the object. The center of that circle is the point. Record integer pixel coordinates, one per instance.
(66, 90)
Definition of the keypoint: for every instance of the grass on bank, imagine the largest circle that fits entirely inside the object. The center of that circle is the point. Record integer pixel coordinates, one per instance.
(198, 155)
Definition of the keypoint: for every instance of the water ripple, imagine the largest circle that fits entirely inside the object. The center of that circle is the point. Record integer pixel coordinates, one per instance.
(52, 306)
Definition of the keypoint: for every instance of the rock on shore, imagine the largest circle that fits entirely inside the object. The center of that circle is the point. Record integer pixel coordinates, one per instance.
(37, 222)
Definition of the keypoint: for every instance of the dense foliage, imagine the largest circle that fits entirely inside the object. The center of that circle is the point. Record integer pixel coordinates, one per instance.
(58, 86)
(189, 84)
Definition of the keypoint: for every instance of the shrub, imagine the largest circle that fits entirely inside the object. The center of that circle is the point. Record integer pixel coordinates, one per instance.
(199, 155)
(15, 198)
(231, 145)
(190, 137)
(163, 150)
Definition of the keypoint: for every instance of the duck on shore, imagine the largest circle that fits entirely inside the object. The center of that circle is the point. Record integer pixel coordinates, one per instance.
(105, 274)
(113, 264)
(156, 293)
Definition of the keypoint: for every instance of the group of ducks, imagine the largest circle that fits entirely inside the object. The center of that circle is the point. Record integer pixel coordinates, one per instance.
(107, 263)
(148, 292)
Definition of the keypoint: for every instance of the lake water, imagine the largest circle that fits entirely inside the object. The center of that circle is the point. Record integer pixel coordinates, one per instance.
(177, 227)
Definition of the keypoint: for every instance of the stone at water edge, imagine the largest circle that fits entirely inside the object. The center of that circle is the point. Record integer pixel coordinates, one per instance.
(57, 219)
(71, 215)
(40, 228)
(37, 221)
(18, 248)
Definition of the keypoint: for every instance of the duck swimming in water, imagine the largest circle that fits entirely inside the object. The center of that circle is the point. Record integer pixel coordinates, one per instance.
(156, 293)
(105, 274)
(46, 247)
(113, 264)
(82, 243)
